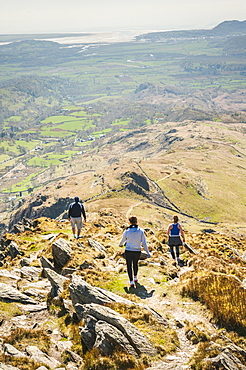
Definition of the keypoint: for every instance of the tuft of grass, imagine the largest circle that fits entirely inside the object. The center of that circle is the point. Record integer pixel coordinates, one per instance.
(22, 337)
(223, 294)
(93, 360)
(9, 310)
(23, 363)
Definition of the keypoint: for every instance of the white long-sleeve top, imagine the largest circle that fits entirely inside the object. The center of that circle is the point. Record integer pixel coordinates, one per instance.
(134, 238)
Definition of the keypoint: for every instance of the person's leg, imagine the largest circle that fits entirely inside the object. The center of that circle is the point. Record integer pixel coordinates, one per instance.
(136, 257)
(177, 251)
(129, 260)
(79, 224)
(73, 226)
(172, 251)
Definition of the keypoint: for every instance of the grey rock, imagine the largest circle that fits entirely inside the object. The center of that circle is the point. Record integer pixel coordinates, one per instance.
(8, 293)
(61, 252)
(37, 355)
(68, 271)
(30, 272)
(7, 367)
(18, 228)
(88, 333)
(85, 265)
(56, 281)
(97, 246)
(244, 256)
(42, 368)
(108, 337)
(82, 292)
(34, 307)
(49, 236)
(35, 293)
(25, 261)
(226, 360)
(136, 339)
(12, 351)
(45, 263)
(74, 357)
(9, 274)
(14, 249)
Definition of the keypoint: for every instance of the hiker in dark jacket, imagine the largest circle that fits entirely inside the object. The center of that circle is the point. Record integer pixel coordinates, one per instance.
(75, 212)
(174, 240)
(133, 238)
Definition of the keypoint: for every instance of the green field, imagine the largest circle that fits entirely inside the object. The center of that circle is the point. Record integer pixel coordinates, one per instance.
(54, 107)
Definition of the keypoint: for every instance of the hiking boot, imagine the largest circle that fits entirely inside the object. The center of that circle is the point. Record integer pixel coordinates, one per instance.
(135, 279)
(131, 284)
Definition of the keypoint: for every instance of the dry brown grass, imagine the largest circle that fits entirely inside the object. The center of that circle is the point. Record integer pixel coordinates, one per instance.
(164, 338)
(21, 337)
(223, 294)
(93, 360)
(23, 363)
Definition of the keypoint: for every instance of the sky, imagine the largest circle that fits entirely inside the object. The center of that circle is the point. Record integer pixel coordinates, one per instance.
(61, 16)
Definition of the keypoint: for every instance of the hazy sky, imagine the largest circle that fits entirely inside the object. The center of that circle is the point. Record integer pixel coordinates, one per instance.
(45, 16)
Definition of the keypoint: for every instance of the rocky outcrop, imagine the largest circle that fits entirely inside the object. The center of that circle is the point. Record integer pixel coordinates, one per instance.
(229, 359)
(61, 252)
(97, 246)
(36, 208)
(56, 281)
(10, 294)
(114, 324)
(82, 292)
(38, 356)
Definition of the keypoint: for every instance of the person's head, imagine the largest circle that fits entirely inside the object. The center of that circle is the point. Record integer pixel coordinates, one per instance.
(175, 219)
(133, 220)
(76, 199)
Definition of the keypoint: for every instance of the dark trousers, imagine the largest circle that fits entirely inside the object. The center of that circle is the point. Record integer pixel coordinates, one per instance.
(174, 242)
(172, 251)
(132, 259)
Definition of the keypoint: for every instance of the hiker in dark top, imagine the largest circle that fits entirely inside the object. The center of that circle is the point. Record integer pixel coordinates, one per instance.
(75, 212)
(133, 238)
(174, 240)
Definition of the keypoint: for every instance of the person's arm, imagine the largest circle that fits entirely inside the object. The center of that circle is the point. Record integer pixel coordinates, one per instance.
(123, 239)
(83, 212)
(169, 229)
(69, 213)
(182, 233)
(144, 244)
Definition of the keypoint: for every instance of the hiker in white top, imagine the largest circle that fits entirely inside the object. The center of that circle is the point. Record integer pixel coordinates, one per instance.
(174, 240)
(134, 239)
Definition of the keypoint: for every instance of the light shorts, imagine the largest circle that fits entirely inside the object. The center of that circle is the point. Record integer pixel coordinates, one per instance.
(76, 221)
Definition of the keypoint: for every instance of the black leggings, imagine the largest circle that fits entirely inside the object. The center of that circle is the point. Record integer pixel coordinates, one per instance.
(132, 259)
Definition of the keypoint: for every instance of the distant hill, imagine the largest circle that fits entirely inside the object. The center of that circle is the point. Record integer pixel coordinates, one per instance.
(230, 28)
(226, 28)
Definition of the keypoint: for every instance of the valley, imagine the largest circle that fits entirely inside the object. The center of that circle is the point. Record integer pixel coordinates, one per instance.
(153, 126)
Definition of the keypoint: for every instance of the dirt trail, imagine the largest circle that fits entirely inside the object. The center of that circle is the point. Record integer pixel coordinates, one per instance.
(129, 212)
(180, 311)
